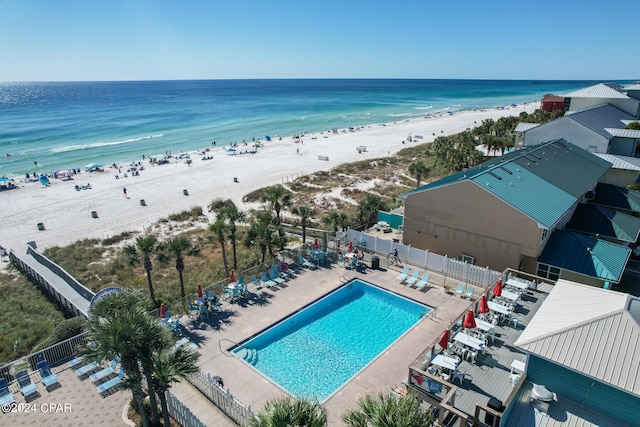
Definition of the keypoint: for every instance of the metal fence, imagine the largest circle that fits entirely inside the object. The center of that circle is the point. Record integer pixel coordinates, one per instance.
(426, 260)
(180, 413)
(56, 355)
(222, 398)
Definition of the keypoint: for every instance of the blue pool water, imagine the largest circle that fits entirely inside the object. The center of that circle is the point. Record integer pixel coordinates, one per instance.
(314, 352)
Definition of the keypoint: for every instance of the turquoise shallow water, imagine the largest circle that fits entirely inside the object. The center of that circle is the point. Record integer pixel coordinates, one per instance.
(314, 352)
(71, 124)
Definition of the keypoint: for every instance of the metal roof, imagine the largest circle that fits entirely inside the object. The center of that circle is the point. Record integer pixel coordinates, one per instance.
(590, 330)
(523, 127)
(624, 133)
(616, 197)
(601, 117)
(542, 181)
(621, 162)
(585, 255)
(601, 90)
(633, 86)
(604, 222)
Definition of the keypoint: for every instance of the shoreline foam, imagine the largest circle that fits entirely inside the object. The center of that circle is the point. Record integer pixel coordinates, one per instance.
(67, 214)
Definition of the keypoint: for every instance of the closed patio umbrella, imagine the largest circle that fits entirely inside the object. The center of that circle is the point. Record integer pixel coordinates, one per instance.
(199, 291)
(469, 320)
(163, 311)
(315, 243)
(350, 248)
(232, 276)
(444, 340)
(484, 307)
(497, 289)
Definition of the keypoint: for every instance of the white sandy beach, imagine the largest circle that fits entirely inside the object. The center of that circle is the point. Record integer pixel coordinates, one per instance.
(66, 213)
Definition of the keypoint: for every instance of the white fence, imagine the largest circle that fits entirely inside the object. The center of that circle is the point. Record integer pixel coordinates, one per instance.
(222, 398)
(181, 414)
(426, 260)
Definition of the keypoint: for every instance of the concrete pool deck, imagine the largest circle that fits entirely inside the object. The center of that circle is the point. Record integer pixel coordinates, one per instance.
(237, 322)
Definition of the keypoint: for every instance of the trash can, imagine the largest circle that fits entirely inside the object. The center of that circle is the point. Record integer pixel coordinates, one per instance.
(94, 214)
(496, 404)
(185, 192)
(40, 226)
(375, 262)
(142, 202)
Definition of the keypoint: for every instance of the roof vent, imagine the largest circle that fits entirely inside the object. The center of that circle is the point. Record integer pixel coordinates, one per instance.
(588, 250)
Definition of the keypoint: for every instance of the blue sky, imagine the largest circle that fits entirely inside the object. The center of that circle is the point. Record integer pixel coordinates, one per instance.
(44, 40)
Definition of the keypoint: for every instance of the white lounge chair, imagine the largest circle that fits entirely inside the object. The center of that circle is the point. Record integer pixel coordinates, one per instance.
(460, 289)
(405, 273)
(423, 281)
(469, 292)
(413, 278)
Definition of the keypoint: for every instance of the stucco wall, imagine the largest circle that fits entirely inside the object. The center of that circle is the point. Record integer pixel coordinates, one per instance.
(465, 218)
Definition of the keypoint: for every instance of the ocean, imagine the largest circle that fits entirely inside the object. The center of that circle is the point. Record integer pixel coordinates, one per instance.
(62, 125)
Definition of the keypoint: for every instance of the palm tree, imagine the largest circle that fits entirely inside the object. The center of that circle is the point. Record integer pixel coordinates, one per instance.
(286, 411)
(418, 169)
(219, 228)
(169, 366)
(179, 247)
(120, 327)
(305, 213)
(146, 246)
(387, 410)
(261, 234)
(335, 220)
(367, 210)
(278, 197)
(232, 215)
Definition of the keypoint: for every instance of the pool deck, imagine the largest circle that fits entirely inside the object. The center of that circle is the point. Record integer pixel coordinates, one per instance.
(263, 307)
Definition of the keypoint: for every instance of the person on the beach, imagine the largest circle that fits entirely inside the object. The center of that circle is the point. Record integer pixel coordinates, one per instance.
(124, 190)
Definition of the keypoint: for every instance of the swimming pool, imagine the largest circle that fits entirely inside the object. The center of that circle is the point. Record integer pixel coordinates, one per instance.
(313, 352)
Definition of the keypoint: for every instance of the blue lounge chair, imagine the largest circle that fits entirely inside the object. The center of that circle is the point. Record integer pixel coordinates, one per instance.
(273, 275)
(413, 278)
(104, 373)
(423, 281)
(469, 292)
(77, 362)
(49, 379)
(256, 282)
(6, 397)
(305, 263)
(111, 384)
(27, 388)
(266, 281)
(87, 369)
(405, 273)
(460, 289)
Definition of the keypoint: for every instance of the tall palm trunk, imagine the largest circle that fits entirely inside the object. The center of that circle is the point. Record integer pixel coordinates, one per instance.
(165, 409)
(180, 268)
(233, 246)
(148, 267)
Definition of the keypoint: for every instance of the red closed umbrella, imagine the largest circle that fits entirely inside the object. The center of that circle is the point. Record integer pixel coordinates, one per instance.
(350, 248)
(484, 307)
(163, 311)
(497, 289)
(444, 340)
(199, 291)
(315, 243)
(232, 276)
(470, 320)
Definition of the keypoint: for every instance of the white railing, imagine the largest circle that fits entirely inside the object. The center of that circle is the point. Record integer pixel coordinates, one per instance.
(222, 398)
(180, 413)
(426, 260)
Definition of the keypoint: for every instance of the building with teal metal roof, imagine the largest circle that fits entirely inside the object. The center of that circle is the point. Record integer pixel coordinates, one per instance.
(503, 212)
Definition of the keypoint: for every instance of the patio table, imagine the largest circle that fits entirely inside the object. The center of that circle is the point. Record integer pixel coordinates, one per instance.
(484, 325)
(445, 362)
(468, 340)
(517, 284)
(499, 308)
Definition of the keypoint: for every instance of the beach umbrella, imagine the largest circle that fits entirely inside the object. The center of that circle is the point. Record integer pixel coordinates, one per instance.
(315, 243)
(350, 249)
(497, 289)
(163, 311)
(484, 307)
(93, 166)
(444, 340)
(469, 320)
(199, 291)
(232, 276)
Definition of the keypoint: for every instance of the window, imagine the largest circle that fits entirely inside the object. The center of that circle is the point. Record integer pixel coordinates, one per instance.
(545, 233)
(548, 272)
